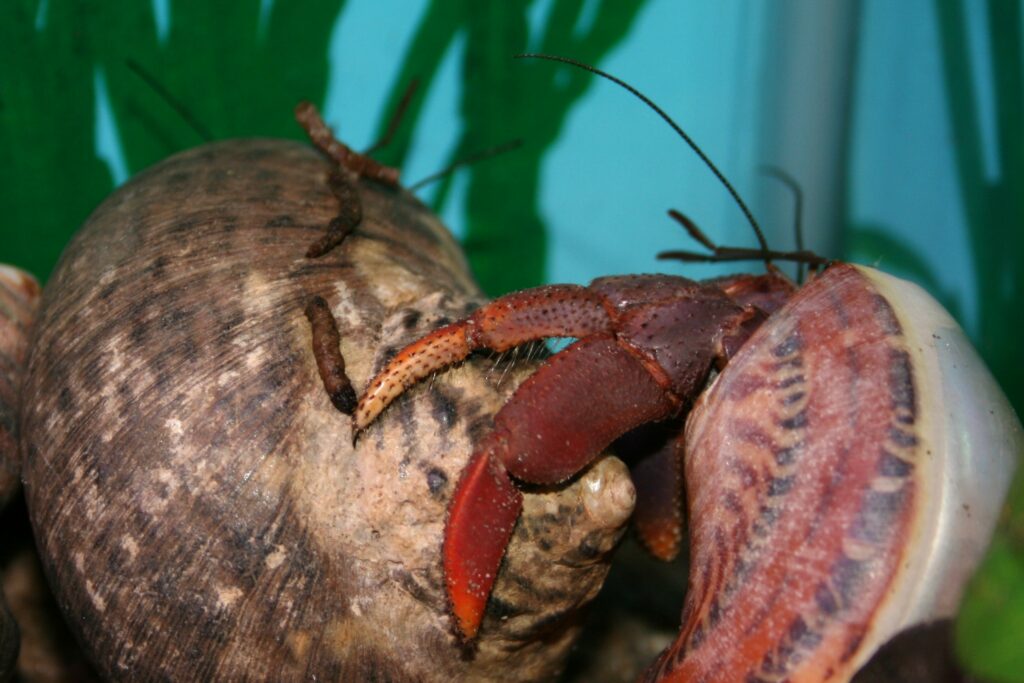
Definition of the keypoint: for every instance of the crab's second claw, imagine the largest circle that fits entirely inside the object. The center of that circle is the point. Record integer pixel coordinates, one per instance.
(552, 311)
(481, 517)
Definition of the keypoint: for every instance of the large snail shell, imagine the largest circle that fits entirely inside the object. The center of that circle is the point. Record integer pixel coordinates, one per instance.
(197, 500)
(19, 296)
(844, 475)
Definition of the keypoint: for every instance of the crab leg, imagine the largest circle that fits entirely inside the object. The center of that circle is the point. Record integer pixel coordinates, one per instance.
(544, 435)
(657, 451)
(552, 311)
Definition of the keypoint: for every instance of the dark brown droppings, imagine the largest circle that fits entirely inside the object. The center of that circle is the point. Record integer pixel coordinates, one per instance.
(335, 235)
(322, 137)
(327, 352)
(351, 166)
(350, 214)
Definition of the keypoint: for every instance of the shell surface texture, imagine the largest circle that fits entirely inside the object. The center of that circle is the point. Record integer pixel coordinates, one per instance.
(198, 503)
(842, 472)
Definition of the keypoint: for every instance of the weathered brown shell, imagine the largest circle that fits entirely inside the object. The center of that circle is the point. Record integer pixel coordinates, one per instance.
(198, 503)
(19, 297)
(8, 641)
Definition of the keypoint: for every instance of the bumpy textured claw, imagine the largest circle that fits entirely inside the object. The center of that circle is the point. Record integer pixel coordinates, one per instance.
(481, 518)
(543, 435)
(552, 311)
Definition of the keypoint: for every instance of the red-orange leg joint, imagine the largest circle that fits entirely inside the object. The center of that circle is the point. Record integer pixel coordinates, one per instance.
(553, 311)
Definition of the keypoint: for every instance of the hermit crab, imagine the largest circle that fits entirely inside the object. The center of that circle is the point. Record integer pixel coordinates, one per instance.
(844, 452)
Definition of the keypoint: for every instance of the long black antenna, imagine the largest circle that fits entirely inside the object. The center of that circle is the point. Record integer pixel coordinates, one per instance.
(396, 118)
(477, 157)
(686, 138)
(798, 210)
(173, 102)
(719, 254)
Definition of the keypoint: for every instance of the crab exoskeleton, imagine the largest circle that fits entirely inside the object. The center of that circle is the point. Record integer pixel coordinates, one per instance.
(843, 471)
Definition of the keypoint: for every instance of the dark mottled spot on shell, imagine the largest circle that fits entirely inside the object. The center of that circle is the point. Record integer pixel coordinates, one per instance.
(797, 421)
(825, 600)
(444, 409)
(902, 438)
(769, 514)
(901, 381)
(846, 575)
(890, 465)
(411, 319)
(108, 291)
(499, 609)
(791, 345)
(779, 486)
(436, 480)
(139, 331)
(790, 381)
(385, 356)
(158, 267)
(887, 316)
(181, 226)
(282, 221)
(589, 547)
(479, 427)
(65, 400)
(785, 456)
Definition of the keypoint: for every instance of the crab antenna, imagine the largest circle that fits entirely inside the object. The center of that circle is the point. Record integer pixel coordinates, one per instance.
(173, 102)
(482, 155)
(798, 208)
(692, 229)
(396, 117)
(675, 126)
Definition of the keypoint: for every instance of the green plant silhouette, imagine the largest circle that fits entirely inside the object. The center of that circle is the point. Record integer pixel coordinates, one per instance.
(216, 58)
(234, 72)
(991, 626)
(504, 100)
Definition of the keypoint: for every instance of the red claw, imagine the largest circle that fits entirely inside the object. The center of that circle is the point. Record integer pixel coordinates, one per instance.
(543, 437)
(482, 515)
(646, 346)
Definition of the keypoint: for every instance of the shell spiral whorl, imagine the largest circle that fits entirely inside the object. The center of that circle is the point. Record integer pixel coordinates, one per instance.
(197, 500)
